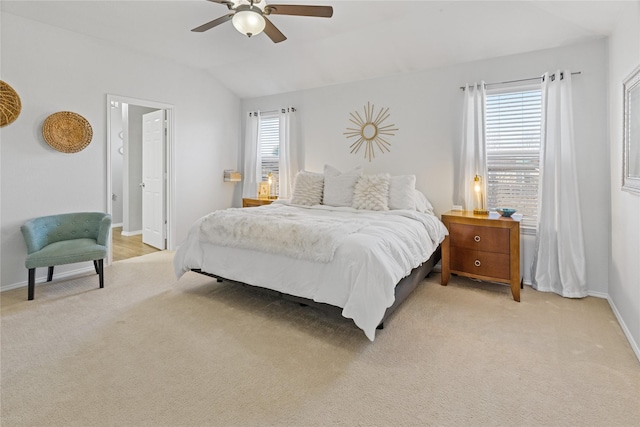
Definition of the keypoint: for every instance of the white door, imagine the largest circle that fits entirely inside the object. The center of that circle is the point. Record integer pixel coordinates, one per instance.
(153, 214)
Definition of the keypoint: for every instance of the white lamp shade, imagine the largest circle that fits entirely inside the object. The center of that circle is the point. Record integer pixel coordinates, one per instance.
(248, 22)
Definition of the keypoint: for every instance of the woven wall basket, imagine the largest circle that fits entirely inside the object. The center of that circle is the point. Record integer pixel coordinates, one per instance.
(10, 105)
(67, 132)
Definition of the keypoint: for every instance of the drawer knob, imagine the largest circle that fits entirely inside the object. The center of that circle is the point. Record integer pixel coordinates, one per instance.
(477, 238)
(477, 263)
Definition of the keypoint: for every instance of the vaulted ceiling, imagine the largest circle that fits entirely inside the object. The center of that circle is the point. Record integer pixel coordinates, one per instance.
(363, 39)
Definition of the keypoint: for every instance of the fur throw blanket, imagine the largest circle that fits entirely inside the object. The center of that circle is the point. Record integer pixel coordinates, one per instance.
(278, 230)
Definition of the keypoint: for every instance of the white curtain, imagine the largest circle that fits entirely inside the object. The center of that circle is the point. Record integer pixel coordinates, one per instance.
(252, 160)
(559, 261)
(288, 151)
(473, 159)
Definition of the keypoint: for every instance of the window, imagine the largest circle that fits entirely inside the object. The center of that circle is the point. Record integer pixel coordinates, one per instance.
(269, 137)
(513, 121)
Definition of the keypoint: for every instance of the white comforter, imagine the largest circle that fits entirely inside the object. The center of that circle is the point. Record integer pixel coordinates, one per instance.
(361, 275)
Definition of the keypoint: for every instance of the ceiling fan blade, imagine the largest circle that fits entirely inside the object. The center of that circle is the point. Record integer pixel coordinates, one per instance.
(274, 34)
(211, 24)
(299, 10)
(227, 2)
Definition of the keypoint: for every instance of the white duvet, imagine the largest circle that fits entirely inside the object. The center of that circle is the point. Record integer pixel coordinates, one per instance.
(360, 276)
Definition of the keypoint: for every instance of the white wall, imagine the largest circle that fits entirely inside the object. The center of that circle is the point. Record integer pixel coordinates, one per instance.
(624, 262)
(426, 107)
(54, 70)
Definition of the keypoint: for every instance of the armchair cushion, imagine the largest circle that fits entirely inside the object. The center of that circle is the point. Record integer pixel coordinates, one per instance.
(66, 252)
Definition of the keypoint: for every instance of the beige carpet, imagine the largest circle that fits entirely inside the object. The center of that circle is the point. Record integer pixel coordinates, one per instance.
(148, 350)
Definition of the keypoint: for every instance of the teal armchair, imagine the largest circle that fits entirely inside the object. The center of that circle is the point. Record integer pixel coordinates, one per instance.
(66, 239)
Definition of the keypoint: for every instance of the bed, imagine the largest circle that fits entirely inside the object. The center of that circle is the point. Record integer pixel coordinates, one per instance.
(362, 262)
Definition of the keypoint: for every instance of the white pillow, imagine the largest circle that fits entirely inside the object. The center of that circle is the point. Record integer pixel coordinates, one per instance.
(307, 188)
(401, 192)
(422, 203)
(372, 192)
(338, 186)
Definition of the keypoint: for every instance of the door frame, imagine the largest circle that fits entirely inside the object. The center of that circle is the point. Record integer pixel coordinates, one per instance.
(170, 189)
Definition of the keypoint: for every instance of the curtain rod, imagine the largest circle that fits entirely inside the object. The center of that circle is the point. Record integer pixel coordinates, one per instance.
(281, 110)
(521, 80)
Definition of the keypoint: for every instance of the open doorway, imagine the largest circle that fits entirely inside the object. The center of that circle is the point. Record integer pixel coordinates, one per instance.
(140, 176)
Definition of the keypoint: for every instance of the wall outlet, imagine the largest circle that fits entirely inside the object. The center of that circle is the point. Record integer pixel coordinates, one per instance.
(457, 207)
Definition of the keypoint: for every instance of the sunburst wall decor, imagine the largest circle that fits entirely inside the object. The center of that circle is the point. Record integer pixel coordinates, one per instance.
(371, 132)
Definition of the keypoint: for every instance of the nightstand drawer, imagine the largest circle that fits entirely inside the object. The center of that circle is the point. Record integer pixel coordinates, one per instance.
(250, 203)
(489, 264)
(479, 238)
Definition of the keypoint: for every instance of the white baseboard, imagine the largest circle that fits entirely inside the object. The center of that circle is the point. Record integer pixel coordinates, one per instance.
(120, 224)
(43, 279)
(627, 333)
(131, 233)
(598, 295)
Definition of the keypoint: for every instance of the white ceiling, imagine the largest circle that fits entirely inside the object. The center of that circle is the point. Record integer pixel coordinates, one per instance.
(363, 39)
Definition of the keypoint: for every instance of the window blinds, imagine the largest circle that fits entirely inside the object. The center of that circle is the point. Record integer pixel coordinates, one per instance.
(513, 121)
(269, 135)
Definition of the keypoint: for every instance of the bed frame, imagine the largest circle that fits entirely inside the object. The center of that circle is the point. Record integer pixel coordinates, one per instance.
(403, 289)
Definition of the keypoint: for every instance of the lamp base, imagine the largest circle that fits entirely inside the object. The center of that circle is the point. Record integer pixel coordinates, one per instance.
(480, 212)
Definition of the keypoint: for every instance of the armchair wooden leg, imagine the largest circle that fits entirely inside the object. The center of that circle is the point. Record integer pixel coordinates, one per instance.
(32, 283)
(100, 268)
(50, 274)
(95, 265)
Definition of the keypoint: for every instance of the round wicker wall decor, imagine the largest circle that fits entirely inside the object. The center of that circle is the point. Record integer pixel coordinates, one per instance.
(67, 132)
(10, 105)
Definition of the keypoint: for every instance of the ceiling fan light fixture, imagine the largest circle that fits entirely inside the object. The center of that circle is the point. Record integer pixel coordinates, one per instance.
(250, 19)
(249, 22)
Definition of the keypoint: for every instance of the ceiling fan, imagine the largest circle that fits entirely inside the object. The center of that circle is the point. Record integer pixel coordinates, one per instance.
(250, 16)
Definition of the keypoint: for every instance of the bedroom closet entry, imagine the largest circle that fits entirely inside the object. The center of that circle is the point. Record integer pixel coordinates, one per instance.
(139, 178)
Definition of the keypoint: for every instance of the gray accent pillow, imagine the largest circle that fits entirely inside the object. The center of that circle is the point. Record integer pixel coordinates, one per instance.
(422, 203)
(401, 192)
(338, 186)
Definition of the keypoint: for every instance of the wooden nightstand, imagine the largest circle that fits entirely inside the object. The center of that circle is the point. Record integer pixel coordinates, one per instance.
(485, 247)
(250, 203)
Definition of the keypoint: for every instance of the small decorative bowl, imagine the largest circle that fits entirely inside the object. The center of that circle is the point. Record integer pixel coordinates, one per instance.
(506, 212)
